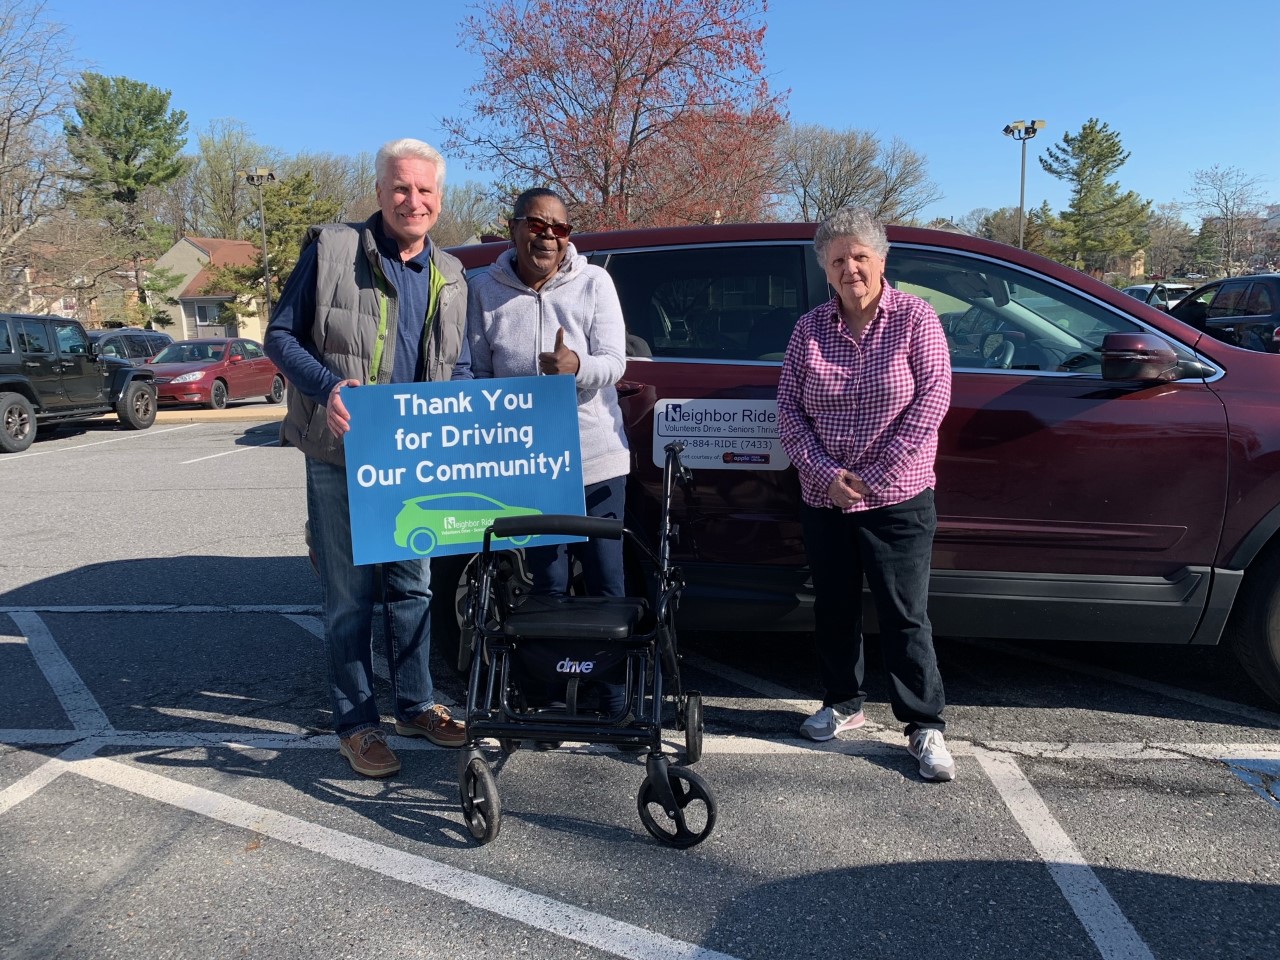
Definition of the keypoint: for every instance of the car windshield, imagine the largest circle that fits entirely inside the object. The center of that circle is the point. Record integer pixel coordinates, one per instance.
(190, 353)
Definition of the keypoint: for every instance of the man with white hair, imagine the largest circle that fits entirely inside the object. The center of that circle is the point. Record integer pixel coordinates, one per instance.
(373, 302)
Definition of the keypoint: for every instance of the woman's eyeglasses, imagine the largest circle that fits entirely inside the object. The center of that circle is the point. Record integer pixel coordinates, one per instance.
(539, 226)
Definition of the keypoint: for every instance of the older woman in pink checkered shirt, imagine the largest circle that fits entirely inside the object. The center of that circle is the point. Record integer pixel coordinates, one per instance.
(865, 383)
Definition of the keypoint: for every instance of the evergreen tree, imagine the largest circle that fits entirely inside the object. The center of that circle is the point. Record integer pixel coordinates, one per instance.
(125, 139)
(1100, 222)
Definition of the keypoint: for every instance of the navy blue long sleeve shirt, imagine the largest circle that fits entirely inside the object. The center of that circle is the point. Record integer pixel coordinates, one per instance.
(288, 337)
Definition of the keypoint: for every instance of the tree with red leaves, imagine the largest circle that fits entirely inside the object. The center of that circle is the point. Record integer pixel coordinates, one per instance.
(639, 112)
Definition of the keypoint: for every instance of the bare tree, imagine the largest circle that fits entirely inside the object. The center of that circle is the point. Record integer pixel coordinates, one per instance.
(1171, 240)
(344, 179)
(228, 203)
(34, 94)
(1231, 201)
(904, 188)
(824, 170)
(972, 222)
(467, 210)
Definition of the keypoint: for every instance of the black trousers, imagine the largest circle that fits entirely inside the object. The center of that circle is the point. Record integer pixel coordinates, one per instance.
(891, 547)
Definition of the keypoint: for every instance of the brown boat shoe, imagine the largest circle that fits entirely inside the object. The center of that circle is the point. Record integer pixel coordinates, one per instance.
(437, 726)
(368, 753)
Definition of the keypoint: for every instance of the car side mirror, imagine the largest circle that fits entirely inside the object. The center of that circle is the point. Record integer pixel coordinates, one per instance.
(1139, 356)
(235, 359)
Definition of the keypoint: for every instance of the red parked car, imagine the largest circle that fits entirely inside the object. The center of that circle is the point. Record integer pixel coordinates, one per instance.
(213, 370)
(1105, 472)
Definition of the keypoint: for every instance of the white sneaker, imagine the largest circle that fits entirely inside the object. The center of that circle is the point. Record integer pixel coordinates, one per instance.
(928, 746)
(829, 721)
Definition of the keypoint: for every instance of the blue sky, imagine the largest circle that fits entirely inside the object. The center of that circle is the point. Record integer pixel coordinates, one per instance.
(1177, 79)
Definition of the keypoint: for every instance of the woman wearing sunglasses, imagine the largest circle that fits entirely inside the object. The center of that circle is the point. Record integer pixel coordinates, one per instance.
(542, 309)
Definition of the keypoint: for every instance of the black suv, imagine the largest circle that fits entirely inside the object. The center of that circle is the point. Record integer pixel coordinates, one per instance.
(1244, 311)
(129, 343)
(51, 372)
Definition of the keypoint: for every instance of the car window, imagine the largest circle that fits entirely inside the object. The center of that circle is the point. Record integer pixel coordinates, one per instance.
(33, 337)
(6, 340)
(252, 350)
(158, 342)
(1230, 300)
(237, 350)
(997, 317)
(110, 347)
(712, 303)
(72, 340)
(136, 346)
(1259, 303)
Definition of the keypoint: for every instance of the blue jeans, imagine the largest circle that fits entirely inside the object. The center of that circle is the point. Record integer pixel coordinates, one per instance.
(349, 594)
(601, 559)
(892, 547)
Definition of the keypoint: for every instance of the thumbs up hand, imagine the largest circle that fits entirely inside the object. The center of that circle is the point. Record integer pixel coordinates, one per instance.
(559, 360)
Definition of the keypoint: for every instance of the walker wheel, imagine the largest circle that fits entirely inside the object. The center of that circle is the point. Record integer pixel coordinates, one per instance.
(694, 817)
(692, 727)
(480, 805)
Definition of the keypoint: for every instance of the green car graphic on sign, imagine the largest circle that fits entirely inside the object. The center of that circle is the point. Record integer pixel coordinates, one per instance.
(445, 518)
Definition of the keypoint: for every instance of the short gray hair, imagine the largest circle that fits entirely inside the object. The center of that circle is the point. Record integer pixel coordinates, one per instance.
(408, 147)
(858, 224)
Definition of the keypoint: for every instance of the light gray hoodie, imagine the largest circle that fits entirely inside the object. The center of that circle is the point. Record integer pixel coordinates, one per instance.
(509, 324)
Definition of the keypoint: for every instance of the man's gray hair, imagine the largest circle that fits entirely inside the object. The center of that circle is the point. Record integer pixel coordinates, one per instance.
(856, 223)
(404, 148)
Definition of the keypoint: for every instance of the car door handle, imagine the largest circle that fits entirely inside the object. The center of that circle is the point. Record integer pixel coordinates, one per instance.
(628, 388)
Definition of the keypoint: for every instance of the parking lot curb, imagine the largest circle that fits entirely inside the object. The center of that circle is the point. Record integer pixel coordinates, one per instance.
(254, 413)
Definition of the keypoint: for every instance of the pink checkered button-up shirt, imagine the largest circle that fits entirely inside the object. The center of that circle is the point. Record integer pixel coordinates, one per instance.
(871, 405)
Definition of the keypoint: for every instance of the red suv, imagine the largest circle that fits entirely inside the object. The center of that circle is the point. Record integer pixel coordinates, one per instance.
(1105, 472)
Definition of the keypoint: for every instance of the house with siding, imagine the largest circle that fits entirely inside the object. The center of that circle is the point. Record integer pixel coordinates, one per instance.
(195, 259)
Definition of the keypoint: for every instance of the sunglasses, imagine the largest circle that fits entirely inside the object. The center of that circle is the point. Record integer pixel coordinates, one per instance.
(539, 226)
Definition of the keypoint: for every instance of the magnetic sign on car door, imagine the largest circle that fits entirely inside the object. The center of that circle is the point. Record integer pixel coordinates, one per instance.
(720, 434)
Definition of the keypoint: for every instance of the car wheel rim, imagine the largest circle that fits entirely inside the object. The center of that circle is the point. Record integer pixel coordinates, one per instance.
(16, 423)
(142, 404)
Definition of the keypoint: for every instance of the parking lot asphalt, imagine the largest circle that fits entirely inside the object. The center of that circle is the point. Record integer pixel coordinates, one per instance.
(170, 785)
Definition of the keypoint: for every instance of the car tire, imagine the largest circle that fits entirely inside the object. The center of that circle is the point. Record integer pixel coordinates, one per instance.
(137, 408)
(218, 395)
(1253, 632)
(277, 389)
(17, 423)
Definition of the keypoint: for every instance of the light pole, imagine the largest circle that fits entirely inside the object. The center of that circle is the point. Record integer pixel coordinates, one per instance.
(257, 178)
(1023, 130)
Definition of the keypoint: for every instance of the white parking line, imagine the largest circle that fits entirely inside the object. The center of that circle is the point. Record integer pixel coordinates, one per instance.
(81, 707)
(43, 775)
(226, 453)
(141, 434)
(1106, 924)
(533, 910)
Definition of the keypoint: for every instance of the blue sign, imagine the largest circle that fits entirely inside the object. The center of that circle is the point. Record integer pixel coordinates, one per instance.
(431, 465)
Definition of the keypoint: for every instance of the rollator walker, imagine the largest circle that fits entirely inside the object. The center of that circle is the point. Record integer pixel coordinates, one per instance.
(558, 646)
